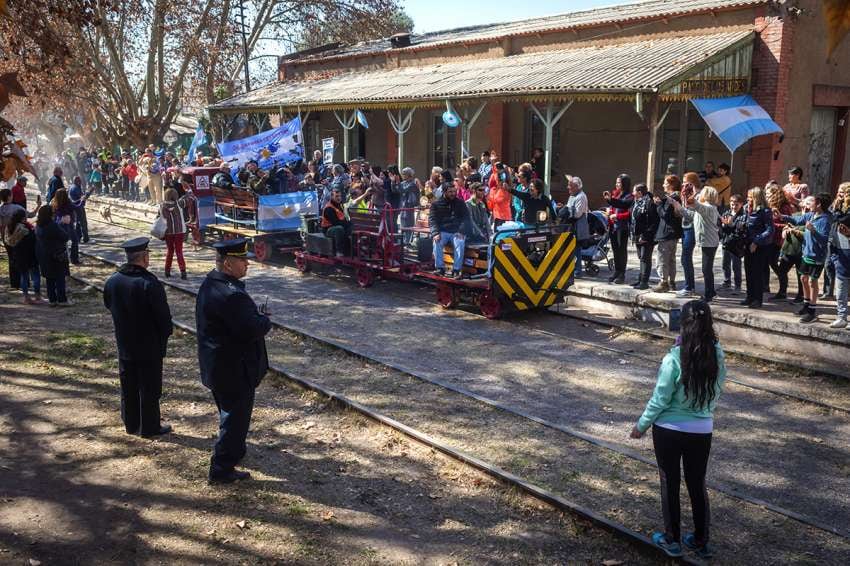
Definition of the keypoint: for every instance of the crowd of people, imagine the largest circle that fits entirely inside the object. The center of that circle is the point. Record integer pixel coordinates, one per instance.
(46, 248)
(772, 229)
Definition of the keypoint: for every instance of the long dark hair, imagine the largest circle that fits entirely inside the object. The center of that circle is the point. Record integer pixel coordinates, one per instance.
(44, 216)
(698, 353)
(18, 216)
(625, 183)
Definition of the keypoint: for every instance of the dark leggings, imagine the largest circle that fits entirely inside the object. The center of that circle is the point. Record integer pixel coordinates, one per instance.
(644, 253)
(754, 263)
(620, 247)
(783, 267)
(708, 271)
(772, 255)
(692, 450)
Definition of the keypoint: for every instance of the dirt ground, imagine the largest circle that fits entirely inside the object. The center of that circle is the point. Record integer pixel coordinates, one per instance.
(329, 487)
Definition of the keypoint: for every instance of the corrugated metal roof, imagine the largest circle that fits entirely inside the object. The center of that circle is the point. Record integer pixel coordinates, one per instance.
(644, 65)
(599, 16)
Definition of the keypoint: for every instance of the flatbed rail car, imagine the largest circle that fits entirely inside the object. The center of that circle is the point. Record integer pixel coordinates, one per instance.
(270, 222)
(518, 270)
(375, 248)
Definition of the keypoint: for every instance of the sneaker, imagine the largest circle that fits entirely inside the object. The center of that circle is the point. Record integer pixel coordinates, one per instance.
(183, 275)
(440, 271)
(839, 323)
(798, 299)
(704, 551)
(684, 292)
(726, 285)
(802, 310)
(778, 297)
(810, 316)
(619, 280)
(670, 548)
(661, 287)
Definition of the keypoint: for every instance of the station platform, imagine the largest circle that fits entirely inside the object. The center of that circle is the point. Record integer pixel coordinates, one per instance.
(772, 333)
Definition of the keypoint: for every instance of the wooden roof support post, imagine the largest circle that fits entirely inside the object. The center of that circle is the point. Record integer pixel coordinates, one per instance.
(656, 120)
(550, 119)
(347, 122)
(401, 126)
(301, 120)
(466, 130)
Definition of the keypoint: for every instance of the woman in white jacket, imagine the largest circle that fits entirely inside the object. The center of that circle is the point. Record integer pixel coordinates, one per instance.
(702, 211)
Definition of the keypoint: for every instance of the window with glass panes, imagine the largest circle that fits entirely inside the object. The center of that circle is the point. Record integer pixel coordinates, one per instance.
(444, 143)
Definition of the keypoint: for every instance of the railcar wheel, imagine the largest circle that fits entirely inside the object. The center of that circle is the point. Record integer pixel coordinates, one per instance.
(447, 296)
(365, 277)
(490, 305)
(262, 250)
(301, 264)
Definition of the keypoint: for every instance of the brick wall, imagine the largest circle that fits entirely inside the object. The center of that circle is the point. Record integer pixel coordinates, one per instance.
(772, 58)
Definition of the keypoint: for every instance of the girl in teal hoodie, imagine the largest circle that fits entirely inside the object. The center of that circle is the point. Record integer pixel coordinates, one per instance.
(680, 413)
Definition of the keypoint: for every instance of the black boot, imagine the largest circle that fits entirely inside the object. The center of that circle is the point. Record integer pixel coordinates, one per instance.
(182, 275)
(168, 273)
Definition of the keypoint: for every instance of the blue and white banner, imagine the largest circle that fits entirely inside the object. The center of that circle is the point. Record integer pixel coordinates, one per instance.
(283, 211)
(197, 141)
(736, 119)
(274, 147)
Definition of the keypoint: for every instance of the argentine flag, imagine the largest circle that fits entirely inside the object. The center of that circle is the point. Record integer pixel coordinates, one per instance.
(736, 119)
(199, 140)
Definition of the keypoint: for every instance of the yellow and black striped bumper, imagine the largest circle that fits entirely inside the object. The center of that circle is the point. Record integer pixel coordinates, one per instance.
(526, 286)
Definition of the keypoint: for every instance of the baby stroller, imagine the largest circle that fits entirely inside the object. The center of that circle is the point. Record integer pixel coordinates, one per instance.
(596, 247)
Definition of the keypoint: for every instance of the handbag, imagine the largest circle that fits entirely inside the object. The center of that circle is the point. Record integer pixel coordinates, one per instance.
(159, 227)
(792, 245)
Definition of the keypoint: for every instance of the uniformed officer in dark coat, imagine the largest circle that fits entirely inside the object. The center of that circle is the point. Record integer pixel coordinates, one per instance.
(142, 319)
(231, 352)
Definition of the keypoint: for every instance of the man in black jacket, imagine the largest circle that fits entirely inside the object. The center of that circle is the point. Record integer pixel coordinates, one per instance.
(231, 352)
(142, 319)
(448, 221)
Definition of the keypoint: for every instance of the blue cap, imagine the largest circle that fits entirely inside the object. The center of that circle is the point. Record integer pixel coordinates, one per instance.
(237, 247)
(136, 245)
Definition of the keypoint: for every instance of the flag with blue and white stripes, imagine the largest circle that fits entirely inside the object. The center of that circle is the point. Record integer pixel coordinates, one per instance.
(736, 119)
(199, 140)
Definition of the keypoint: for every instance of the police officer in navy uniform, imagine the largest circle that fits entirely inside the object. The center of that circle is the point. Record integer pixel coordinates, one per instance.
(231, 352)
(142, 319)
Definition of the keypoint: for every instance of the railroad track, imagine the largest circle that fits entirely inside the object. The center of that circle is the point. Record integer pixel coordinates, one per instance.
(501, 474)
(803, 399)
(556, 501)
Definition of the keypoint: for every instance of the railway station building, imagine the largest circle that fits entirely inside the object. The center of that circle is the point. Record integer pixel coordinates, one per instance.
(604, 91)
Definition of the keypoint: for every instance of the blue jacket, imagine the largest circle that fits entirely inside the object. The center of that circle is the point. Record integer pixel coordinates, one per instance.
(841, 250)
(760, 227)
(231, 335)
(814, 241)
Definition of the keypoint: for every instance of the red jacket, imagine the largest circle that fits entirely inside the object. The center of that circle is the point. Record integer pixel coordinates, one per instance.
(618, 217)
(19, 195)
